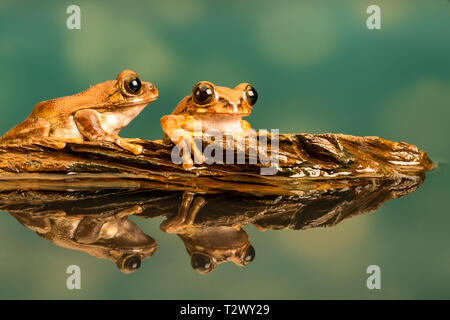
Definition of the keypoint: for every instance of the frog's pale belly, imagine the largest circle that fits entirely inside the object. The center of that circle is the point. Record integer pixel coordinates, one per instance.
(113, 122)
(224, 124)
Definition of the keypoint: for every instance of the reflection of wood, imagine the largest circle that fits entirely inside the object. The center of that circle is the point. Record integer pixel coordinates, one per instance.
(320, 208)
(307, 162)
(96, 222)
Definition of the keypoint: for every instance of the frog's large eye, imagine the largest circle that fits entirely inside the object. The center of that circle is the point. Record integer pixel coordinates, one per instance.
(203, 93)
(132, 84)
(248, 256)
(129, 263)
(202, 263)
(252, 95)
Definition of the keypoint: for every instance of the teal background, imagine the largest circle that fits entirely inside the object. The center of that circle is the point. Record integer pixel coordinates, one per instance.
(317, 68)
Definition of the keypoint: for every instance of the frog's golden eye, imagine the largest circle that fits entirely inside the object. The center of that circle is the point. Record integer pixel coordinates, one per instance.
(252, 95)
(203, 93)
(202, 263)
(132, 84)
(129, 263)
(248, 256)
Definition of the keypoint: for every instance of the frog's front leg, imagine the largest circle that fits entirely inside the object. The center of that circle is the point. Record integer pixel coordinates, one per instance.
(173, 127)
(245, 126)
(89, 123)
(186, 213)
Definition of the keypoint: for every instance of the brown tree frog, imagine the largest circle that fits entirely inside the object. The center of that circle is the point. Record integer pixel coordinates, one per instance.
(208, 107)
(208, 246)
(96, 114)
(107, 235)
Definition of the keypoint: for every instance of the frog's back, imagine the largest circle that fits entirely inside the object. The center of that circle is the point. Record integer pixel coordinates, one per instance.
(46, 116)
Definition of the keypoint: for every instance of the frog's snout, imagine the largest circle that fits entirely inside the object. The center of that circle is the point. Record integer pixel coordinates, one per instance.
(151, 89)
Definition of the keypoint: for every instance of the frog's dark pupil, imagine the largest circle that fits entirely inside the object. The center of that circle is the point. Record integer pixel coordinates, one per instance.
(203, 93)
(249, 255)
(134, 84)
(201, 263)
(132, 263)
(252, 95)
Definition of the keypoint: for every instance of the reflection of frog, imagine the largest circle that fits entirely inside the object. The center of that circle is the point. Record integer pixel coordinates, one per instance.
(208, 246)
(109, 236)
(212, 108)
(98, 113)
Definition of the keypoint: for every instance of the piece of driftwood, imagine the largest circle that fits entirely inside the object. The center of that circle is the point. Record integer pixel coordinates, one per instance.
(306, 163)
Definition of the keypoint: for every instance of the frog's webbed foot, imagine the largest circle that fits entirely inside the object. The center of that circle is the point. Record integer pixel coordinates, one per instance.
(124, 144)
(187, 212)
(89, 124)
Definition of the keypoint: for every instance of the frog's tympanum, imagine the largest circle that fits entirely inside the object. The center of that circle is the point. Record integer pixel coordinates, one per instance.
(208, 246)
(108, 236)
(96, 114)
(208, 108)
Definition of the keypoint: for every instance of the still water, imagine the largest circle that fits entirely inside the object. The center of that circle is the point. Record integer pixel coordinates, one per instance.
(209, 226)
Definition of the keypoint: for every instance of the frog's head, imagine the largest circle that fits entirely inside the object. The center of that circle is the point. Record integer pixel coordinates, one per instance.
(210, 246)
(114, 238)
(128, 90)
(206, 99)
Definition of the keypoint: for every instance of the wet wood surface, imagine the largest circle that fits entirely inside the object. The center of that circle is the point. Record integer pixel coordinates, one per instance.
(307, 163)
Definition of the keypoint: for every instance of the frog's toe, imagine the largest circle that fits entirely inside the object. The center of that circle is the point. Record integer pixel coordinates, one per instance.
(200, 159)
(188, 164)
(137, 149)
(134, 148)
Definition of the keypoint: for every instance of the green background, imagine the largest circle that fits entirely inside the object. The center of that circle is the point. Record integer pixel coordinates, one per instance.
(317, 68)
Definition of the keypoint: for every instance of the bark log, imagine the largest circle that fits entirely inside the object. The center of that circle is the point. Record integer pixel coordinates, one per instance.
(307, 163)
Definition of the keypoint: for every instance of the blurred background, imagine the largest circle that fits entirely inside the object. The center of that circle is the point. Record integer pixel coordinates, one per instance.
(317, 68)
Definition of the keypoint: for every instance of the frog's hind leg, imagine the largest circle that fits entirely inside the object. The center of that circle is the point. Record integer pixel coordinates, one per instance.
(32, 131)
(89, 124)
(36, 127)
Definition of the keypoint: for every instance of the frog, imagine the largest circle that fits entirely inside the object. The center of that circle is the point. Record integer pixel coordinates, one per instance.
(96, 114)
(208, 246)
(214, 108)
(103, 233)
